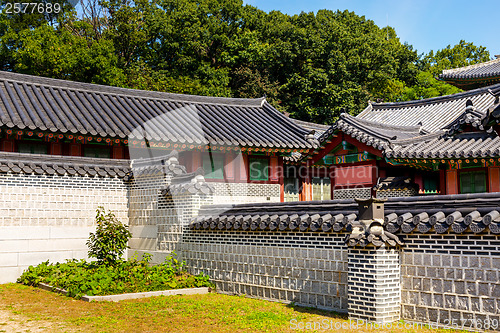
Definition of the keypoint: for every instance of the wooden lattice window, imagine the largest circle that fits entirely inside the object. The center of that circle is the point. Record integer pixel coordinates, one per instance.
(259, 168)
(213, 164)
(473, 182)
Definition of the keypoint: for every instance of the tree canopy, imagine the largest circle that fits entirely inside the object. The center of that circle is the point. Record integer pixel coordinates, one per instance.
(311, 65)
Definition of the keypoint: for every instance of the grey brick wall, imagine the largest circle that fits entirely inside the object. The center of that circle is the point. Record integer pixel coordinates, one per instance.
(352, 193)
(374, 284)
(451, 278)
(306, 268)
(43, 200)
(396, 193)
(157, 221)
(237, 193)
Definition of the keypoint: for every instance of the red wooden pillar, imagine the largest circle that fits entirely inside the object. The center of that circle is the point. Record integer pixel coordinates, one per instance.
(56, 148)
(494, 179)
(374, 167)
(442, 181)
(75, 149)
(273, 172)
(7, 145)
(243, 166)
(306, 194)
(280, 172)
(118, 152)
(229, 166)
(451, 182)
(195, 161)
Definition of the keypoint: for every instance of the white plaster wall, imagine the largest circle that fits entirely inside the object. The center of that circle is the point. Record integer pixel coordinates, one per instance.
(23, 246)
(50, 217)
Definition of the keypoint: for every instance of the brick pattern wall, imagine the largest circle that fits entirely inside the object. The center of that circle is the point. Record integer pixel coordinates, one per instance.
(397, 193)
(182, 209)
(451, 278)
(46, 217)
(157, 219)
(43, 200)
(352, 193)
(144, 213)
(237, 193)
(306, 268)
(374, 284)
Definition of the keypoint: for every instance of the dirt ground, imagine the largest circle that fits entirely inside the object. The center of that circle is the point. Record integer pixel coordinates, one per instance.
(14, 323)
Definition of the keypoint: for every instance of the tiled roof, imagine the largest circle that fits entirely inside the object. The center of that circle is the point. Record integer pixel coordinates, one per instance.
(462, 145)
(291, 216)
(395, 183)
(373, 133)
(179, 181)
(45, 104)
(433, 113)
(166, 164)
(317, 128)
(471, 116)
(468, 134)
(189, 183)
(62, 165)
(465, 213)
(489, 69)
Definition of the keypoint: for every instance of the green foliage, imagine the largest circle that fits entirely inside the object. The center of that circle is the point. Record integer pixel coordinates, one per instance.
(109, 241)
(462, 54)
(30, 17)
(311, 65)
(90, 278)
(427, 86)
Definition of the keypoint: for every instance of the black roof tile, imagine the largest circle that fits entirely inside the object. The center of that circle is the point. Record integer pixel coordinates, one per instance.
(52, 164)
(65, 106)
(489, 69)
(463, 145)
(464, 213)
(448, 141)
(395, 183)
(433, 113)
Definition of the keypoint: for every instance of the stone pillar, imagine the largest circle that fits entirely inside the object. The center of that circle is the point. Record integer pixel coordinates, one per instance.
(373, 277)
(163, 199)
(183, 198)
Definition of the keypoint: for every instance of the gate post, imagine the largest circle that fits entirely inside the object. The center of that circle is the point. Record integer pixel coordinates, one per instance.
(373, 279)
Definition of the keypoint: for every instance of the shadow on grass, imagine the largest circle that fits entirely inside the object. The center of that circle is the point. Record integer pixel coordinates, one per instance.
(315, 311)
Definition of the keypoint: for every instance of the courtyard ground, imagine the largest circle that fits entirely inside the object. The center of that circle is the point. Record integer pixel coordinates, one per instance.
(28, 309)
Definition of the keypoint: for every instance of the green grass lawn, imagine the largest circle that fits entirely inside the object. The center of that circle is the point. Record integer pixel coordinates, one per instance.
(194, 313)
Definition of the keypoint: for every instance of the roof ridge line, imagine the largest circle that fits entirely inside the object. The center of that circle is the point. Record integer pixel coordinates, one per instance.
(479, 65)
(380, 124)
(298, 121)
(105, 89)
(425, 101)
(424, 137)
(60, 159)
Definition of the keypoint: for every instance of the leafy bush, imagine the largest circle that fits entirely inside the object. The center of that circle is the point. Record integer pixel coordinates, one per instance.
(80, 277)
(110, 239)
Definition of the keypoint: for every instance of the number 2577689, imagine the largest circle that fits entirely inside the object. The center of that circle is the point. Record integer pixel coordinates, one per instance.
(32, 8)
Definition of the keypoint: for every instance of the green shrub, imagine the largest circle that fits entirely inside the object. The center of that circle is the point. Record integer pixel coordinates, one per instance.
(110, 239)
(80, 277)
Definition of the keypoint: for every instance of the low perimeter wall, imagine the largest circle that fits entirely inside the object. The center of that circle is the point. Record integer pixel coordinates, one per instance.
(48, 209)
(300, 267)
(427, 259)
(451, 279)
(433, 260)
